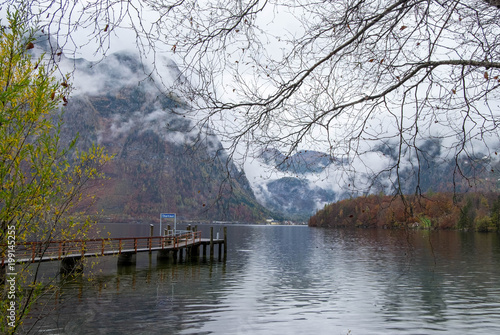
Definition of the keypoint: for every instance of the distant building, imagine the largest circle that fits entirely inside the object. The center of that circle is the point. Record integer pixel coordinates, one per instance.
(272, 221)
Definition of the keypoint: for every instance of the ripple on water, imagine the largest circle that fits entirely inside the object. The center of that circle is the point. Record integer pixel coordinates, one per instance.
(300, 281)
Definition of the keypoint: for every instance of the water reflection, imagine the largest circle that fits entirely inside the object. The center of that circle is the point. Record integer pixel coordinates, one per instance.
(297, 280)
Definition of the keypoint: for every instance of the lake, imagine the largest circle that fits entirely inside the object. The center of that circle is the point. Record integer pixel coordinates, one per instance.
(294, 280)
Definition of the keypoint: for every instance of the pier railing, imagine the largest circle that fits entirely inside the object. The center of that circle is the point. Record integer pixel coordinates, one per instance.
(56, 250)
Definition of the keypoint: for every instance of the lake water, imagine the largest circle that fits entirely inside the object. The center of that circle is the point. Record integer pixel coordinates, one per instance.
(295, 280)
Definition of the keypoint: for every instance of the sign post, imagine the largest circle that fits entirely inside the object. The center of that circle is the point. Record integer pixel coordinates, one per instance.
(168, 216)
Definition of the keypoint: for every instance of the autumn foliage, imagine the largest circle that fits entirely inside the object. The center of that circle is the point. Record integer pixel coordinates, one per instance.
(433, 211)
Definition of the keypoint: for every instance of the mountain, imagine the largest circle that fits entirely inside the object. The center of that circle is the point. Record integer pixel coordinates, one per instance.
(290, 185)
(299, 185)
(162, 161)
(303, 162)
(296, 197)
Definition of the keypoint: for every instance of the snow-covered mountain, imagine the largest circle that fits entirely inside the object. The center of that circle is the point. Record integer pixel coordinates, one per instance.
(301, 184)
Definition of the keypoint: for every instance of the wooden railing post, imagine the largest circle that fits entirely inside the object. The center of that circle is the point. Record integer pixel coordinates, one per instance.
(33, 253)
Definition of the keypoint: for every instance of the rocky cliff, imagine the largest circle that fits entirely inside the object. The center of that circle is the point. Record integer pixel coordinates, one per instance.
(162, 161)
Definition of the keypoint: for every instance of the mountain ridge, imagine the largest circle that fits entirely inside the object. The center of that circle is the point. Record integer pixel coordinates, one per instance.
(162, 161)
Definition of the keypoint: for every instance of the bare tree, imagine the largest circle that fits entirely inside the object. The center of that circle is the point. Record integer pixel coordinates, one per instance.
(343, 77)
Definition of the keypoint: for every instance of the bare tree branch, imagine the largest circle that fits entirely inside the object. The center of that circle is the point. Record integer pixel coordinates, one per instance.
(337, 76)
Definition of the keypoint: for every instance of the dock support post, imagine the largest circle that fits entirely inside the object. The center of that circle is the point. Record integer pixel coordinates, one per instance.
(151, 232)
(71, 265)
(211, 243)
(127, 258)
(204, 250)
(225, 242)
(163, 254)
(195, 252)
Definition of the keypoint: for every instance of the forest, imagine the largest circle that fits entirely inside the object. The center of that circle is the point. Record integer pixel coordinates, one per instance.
(468, 212)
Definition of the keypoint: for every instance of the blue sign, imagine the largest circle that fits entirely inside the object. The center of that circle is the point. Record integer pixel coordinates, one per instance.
(168, 215)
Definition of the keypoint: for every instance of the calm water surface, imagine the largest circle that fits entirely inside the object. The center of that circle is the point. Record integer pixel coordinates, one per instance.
(295, 280)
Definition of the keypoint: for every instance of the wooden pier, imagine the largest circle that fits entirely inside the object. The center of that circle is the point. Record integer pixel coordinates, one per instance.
(71, 252)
